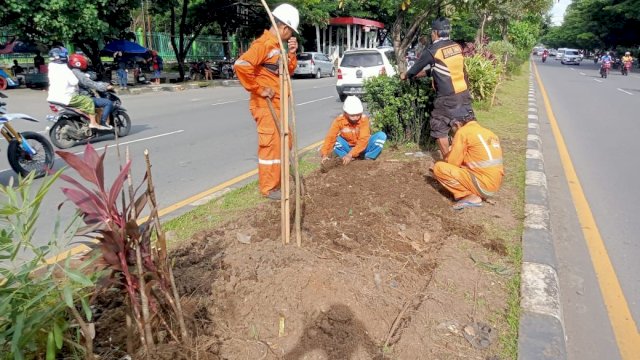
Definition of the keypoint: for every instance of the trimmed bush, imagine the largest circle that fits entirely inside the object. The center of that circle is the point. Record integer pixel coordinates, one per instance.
(483, 76)
(400, 108)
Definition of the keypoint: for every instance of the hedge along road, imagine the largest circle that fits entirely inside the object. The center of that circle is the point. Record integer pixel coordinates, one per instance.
(196, 139)
(594, 205)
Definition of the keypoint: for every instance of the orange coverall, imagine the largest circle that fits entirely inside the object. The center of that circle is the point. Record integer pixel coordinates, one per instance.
(474, 165)
(257, 69)
(357, 135)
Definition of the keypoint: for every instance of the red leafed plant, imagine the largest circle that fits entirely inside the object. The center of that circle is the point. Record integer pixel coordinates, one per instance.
(124, 240)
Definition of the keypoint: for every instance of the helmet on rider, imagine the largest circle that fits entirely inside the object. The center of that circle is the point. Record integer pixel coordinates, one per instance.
(78, 61)
(627, 53)
(58, 55)
(288, 15)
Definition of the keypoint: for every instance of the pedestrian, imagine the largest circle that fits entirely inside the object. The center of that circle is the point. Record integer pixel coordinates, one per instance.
(121, 63)
(63, 87)
(208, 72)
(350, 136)
(453, 100)
(18, 72)
(157, 66)
(473, 170)
(257, 71)
(38, 63)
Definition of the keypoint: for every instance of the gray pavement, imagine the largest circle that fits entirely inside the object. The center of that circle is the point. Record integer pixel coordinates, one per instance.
(598, 120)
(196, 138)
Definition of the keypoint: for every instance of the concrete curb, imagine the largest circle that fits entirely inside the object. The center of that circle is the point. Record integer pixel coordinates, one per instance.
(541, 333)
(179, 87)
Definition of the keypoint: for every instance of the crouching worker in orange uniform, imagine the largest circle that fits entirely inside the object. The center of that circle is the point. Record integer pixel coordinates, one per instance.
(350, 136)
(473, 169)
(257, 70)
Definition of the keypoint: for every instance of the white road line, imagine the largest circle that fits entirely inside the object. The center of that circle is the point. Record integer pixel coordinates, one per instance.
(624, 91)
(196, 99)
(312, 101)
(598, 80)
(572, 69)
(228, 102)
(583, 74)
(124, 143)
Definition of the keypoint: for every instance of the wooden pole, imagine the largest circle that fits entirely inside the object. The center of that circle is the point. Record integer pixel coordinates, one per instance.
(286, 87)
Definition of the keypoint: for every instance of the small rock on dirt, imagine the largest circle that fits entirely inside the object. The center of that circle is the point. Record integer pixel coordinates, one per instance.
(377, 279)
(450, 326)
(479, 335)
(243, 238)
(426, 237)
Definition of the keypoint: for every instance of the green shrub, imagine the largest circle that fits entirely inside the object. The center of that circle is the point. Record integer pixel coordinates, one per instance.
(400, 108)
(36, 299)
(510, 57)
(483, 76)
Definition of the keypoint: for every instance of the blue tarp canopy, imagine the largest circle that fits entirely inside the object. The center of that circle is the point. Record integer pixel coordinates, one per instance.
(126, 46)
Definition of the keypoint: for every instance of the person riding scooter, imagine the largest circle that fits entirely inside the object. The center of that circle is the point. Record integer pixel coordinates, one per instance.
(78, 64)
(627, 62)
(63, 87)
(545, 54)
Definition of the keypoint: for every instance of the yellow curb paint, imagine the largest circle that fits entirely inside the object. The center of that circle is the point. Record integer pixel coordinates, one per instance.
(83, 248)
(624, 327)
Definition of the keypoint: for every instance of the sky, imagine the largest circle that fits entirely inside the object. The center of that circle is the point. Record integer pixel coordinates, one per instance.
(557, 12)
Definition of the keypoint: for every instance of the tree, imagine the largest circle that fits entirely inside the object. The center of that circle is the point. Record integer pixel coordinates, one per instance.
(85, 23)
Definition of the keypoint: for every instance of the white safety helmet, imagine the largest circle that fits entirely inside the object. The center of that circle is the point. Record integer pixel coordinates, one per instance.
(353, 105)
(288, 15)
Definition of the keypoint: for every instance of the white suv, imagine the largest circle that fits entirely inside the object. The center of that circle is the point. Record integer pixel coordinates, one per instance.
(571, 56)
(358, 65)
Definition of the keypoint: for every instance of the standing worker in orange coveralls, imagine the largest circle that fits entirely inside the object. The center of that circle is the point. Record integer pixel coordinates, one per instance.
(473, 168)
(257, 70)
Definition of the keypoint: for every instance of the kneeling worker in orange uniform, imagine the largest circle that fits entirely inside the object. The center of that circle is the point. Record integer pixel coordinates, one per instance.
(473, 169)
(350, 137)
(257, 70)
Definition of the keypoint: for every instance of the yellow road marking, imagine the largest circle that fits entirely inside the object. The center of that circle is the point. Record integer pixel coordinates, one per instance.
(171, 208)
(624, 327)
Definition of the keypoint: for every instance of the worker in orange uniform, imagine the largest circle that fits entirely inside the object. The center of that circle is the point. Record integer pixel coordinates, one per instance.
(257, 70)
(350, 137)
(473, 169)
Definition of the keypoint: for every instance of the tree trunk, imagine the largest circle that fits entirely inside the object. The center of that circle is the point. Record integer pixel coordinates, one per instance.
(480, 34)
(401, 43)
(225, 42)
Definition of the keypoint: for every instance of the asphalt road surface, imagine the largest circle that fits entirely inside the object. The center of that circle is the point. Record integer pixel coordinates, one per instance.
(599, 121)
(196, 139)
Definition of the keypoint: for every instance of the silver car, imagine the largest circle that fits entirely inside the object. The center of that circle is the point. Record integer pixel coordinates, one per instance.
(314, 64)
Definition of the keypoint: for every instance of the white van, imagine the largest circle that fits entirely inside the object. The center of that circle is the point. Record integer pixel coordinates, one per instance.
(560, 53)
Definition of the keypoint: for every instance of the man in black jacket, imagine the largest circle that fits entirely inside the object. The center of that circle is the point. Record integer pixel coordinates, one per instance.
(446, 65)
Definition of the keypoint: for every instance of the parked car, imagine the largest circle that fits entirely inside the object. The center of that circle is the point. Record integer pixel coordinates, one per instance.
(358, 65)
(314, 64)
(553, 52)
(571, 56)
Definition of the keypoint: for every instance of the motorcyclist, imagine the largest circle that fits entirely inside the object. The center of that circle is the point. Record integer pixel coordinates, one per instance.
(63, 86)
(545, 54)
(78, 64)
(627, 58)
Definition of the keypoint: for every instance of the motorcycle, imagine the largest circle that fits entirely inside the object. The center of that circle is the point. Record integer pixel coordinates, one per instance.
(28, 151)
(544, 57)
(604, 68)
(626, 68)
(72, 126)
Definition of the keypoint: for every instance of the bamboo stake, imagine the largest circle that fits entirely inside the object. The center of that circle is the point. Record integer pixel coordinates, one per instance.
(287, 93)
(283, 153)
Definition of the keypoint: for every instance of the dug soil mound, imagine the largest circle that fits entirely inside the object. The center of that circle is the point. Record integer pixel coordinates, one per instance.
(386, 270)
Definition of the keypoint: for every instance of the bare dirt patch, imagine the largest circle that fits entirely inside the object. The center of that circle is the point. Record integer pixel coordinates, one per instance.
(386, 270)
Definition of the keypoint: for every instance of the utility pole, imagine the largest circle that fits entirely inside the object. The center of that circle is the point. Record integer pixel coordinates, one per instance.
(149, 28)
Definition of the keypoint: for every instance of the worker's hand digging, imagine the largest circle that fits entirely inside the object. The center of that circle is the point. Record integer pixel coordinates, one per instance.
(347, 159)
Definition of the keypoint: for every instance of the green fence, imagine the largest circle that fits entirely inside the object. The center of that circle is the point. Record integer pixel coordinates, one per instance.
(204, 47)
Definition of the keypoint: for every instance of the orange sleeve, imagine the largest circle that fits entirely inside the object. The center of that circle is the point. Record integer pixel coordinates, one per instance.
(456, 155)
(246, 66)
(293, 63)
(363, 139)
(330, 139)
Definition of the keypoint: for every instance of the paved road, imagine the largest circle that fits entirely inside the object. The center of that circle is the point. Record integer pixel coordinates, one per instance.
(196, 138)
(599, 121)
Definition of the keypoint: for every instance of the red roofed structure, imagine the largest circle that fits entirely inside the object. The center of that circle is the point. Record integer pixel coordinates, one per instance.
(345, 33)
